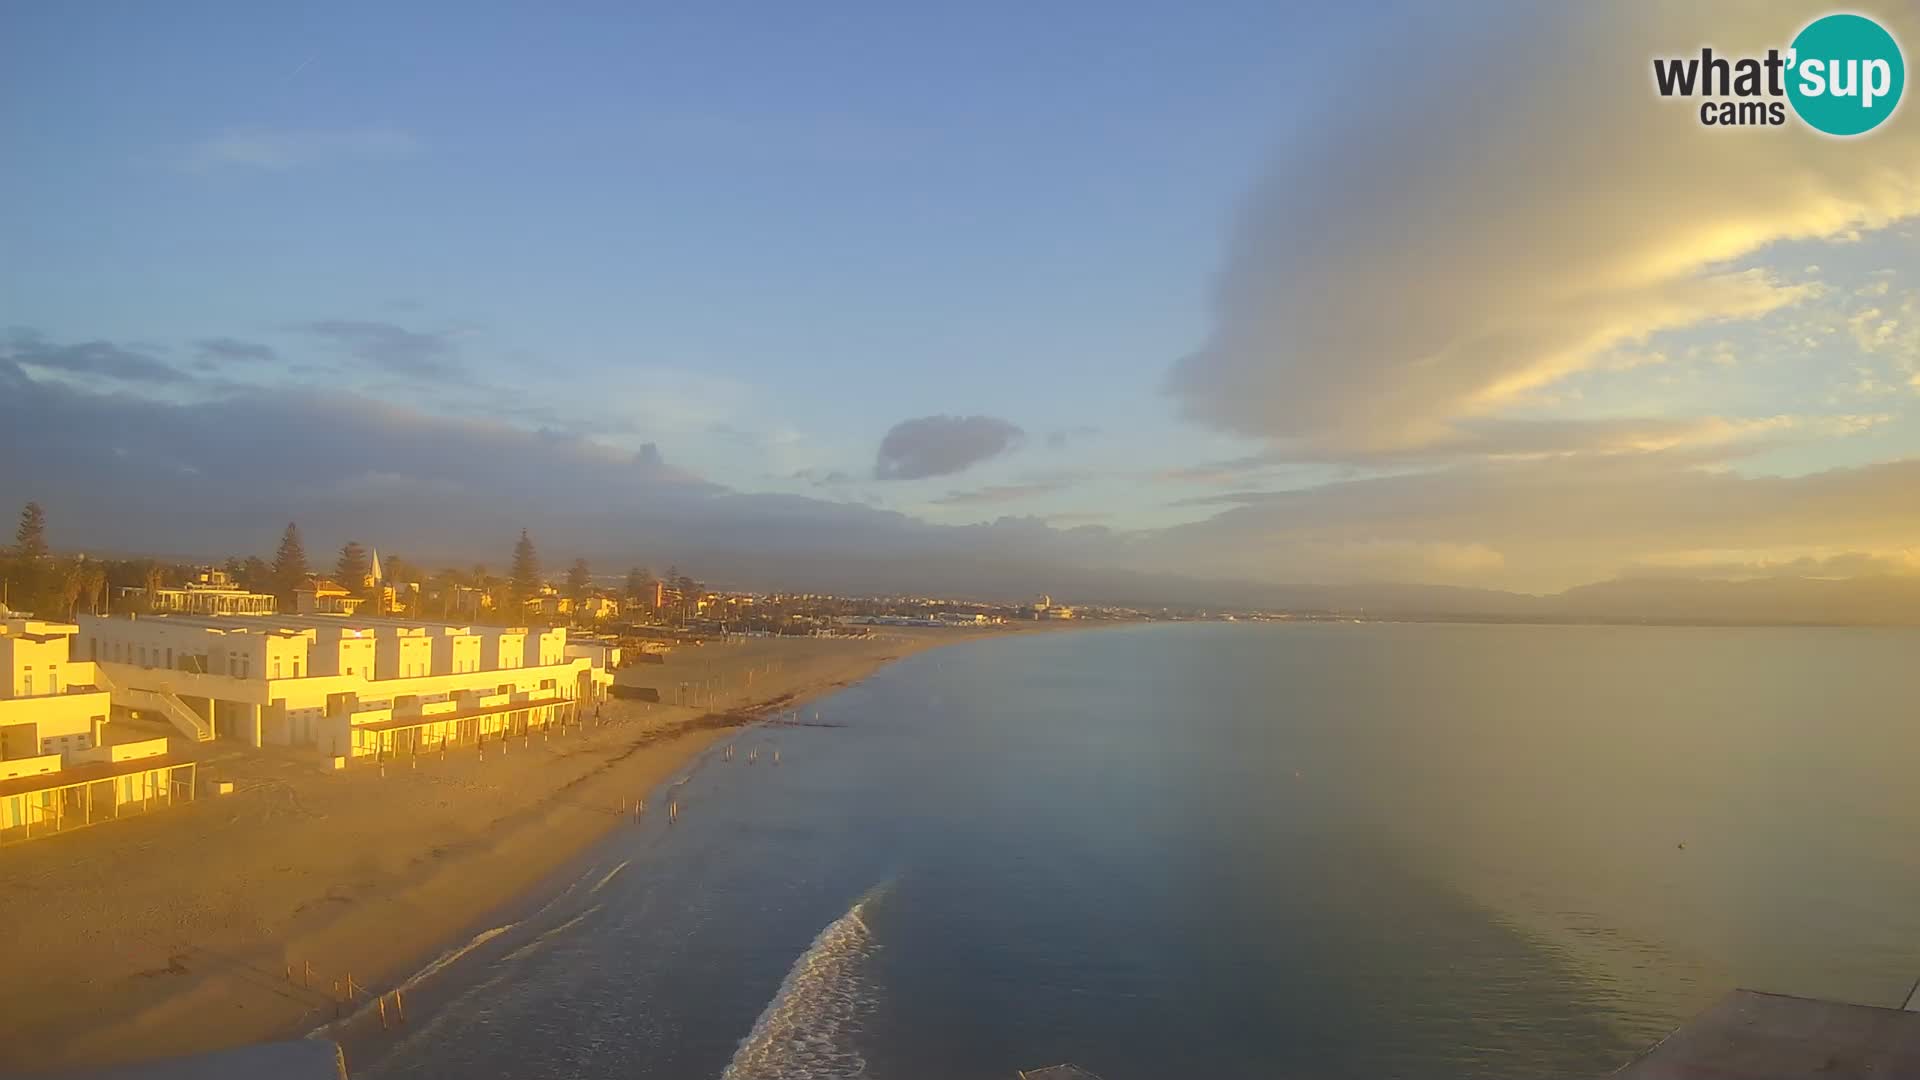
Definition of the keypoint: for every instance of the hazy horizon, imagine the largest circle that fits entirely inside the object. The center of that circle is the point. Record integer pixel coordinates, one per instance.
(1108, 306)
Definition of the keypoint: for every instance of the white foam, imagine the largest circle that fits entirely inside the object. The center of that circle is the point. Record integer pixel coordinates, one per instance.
(452, 955)
(610, 876)
(556, 931)
(807, 1030)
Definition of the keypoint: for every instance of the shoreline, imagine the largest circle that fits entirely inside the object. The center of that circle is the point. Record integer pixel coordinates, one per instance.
(234, 920)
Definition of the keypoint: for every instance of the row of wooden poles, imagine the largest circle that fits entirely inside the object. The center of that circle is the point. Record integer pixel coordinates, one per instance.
(347, 991)
(639, 808)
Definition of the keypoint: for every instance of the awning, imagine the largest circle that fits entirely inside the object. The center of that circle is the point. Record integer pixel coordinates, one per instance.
(89, 774)
(404, 722)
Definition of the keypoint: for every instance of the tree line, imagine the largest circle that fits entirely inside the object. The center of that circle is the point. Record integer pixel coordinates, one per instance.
(34, 580)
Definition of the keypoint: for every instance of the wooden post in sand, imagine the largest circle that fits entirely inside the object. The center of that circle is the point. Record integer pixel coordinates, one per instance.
(400, 1006)
(383, 1012)
(306, 974)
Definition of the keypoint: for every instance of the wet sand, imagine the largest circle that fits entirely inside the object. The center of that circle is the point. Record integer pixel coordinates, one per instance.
(234, 920)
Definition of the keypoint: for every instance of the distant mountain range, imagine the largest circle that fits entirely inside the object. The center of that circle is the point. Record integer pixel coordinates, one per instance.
(1873, 601)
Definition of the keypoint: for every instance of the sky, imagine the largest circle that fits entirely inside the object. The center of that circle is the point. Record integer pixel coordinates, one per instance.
(1347, 293)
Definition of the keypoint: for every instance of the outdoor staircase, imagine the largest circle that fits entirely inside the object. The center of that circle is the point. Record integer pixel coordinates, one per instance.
(165, 702)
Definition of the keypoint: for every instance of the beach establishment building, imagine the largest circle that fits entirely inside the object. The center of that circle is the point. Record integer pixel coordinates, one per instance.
(60, 766)
(348, 685)
(212, 592)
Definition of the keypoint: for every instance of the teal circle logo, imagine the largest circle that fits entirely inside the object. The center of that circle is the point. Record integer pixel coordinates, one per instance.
(1846, 74)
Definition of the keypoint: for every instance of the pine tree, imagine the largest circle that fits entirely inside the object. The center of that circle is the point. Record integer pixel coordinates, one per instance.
(289, 567)
(30, 540)
(350, 570)
(526, 569)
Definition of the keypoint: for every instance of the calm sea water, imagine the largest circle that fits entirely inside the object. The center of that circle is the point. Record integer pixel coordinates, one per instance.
(1233, 851)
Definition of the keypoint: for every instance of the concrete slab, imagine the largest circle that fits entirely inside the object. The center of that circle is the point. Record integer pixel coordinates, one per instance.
(1754, 1036)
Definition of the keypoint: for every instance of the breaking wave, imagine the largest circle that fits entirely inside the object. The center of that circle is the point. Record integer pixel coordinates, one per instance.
(807, 1030)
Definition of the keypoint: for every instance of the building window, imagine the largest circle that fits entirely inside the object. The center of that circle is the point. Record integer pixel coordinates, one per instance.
(28, 684)
(53, 680)
(296, 669)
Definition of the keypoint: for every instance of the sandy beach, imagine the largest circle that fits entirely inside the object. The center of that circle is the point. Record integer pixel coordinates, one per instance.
(233, 920)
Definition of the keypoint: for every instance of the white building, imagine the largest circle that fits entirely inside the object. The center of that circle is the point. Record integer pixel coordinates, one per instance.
(49, 704)
(58, 767)
(348, 685)
(212, 592)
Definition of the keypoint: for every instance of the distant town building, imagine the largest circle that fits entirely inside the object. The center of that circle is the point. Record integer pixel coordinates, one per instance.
(322, 596)
(1045, 608)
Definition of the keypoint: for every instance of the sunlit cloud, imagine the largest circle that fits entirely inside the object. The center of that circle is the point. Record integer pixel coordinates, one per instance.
(278, 151)
(1392, 281)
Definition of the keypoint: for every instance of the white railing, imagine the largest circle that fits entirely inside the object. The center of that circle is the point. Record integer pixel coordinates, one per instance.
(165, 702)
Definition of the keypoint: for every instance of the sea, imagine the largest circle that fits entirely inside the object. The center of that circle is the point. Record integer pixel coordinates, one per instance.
(1260, 850)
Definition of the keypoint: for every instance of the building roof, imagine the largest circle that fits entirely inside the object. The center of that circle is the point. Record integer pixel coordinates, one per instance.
(1754, 1036)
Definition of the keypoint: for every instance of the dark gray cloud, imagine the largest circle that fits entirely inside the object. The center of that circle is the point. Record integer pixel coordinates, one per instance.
(387, 346)
(236, 351)
(941, 445)
(98, 358)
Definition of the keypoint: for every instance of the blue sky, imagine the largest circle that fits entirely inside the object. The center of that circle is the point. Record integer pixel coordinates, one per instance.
(798, 225)
(1206, 262)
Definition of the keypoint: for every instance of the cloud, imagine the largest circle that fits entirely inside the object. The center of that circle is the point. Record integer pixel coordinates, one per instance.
(822, 478)
(941, 445)
(387, 346)
(1002, 493)
(128, 472)
(1555, 521)
(1061, 438)
(278, 151)
(1739, 564)
(1391, 280)
(99, 359)
(1683, 441)
(235, 350)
